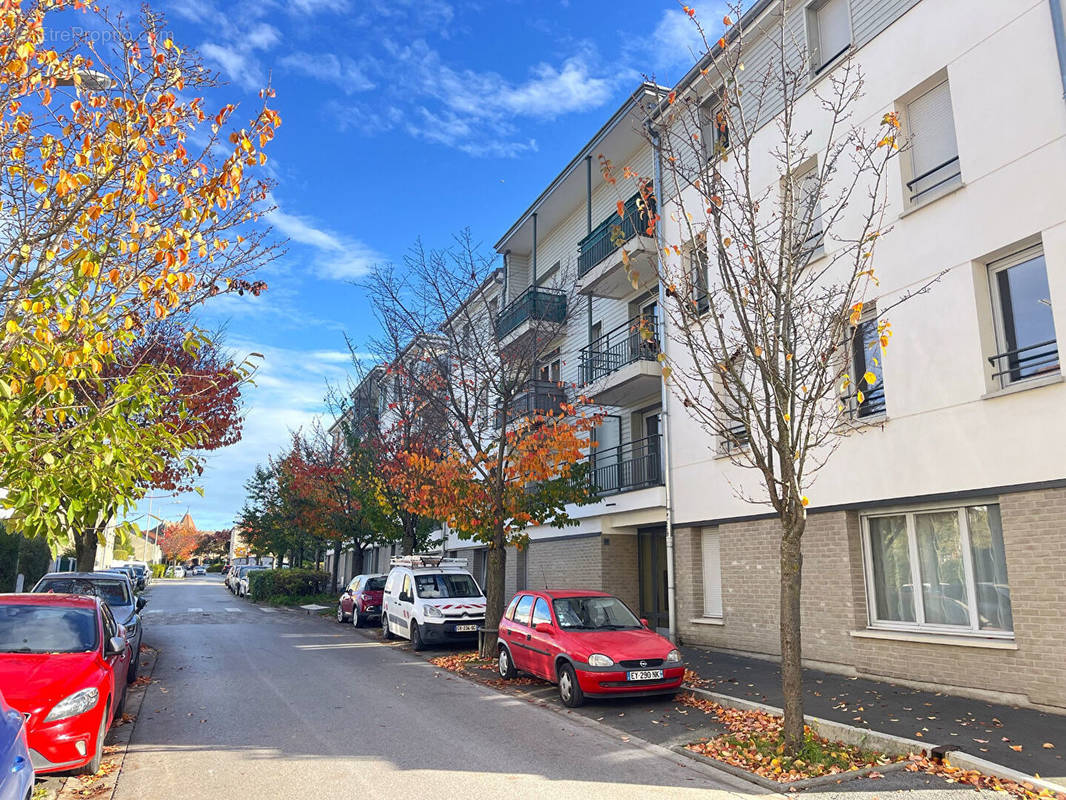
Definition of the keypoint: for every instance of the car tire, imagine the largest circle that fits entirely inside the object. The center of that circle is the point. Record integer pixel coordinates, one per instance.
(386, 633)
(416, 638)
(135, 663)
(98, 755)
(341, 616)
(121, 708)
(504, 664)
(357, 618)
(569, 689)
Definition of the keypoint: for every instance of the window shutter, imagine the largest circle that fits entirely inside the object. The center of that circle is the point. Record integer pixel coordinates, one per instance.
(932, 130)
(712, 575)
(834, 29)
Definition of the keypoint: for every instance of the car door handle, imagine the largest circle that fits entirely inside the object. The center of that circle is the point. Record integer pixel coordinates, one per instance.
(528, 637)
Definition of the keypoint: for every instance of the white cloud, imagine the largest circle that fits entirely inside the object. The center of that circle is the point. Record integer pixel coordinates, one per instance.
(338, 256)
(329, 68)
(316, 6)
(676, 43)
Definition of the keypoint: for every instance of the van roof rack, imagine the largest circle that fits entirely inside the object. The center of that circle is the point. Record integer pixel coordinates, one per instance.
(427, 560)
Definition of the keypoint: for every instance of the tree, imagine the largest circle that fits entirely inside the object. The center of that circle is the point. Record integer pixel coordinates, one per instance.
(774, 201)
(213, 545)
(113, 218)
(178, 542)
(510, 449)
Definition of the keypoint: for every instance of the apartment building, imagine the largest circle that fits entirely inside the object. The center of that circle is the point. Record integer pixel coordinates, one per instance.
(936, 535)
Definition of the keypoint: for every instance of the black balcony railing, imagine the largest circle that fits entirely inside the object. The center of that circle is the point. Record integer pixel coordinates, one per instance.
(734, 437)
(611, 234)
(536, 303)
(636, 340)
(1025, 362)
(634, 465)
(934, 178)
(872, 405)
(536, 398)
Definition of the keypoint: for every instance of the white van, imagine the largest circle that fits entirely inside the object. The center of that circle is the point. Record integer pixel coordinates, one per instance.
(429, 599)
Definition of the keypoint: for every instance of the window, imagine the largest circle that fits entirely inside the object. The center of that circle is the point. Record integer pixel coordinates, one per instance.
(509, 613)
(712, 574)
(437, 585)
(863, 399)
(1025, 328)
(828, 32)
(934, 154)
(541, 612)
(695, 263)
(521, 613)
(807, 209)
(550, 368)
(957, 559)
(715, 127)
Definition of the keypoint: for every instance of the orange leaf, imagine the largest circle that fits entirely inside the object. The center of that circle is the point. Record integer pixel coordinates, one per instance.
(621, 209)
(1016, 748)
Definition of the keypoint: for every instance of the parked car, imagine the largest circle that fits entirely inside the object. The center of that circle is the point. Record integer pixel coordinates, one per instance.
(361, 600)
(114, 590)
(431, 599)
(129, 572)
(63, 665)
(141, 573)
(16, 770)
(177, 571)
(589, 643)
(242, 578)
(200, 569)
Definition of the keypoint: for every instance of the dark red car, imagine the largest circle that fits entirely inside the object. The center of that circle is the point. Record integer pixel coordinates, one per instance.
(589, 643)
(361, 600)
(63, 664)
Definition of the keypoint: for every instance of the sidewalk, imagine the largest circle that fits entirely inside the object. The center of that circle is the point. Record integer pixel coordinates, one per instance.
(986, 730)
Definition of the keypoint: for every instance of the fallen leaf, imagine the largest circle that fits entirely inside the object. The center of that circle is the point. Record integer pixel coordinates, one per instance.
(1017, 748)
(1048, 746)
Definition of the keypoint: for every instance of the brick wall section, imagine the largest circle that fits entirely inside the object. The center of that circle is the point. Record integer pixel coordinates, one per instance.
(834, 602)
(565, 563)
(620, 575)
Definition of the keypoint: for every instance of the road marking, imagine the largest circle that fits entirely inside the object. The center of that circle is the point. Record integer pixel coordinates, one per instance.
(336, 646)
(268, 610)
(231, 608)
(154, 611)
(191, 610)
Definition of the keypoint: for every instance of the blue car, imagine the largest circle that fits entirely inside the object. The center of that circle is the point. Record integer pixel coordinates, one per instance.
(16, 772)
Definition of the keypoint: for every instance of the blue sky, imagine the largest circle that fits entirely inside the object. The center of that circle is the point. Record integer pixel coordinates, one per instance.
(401, 119)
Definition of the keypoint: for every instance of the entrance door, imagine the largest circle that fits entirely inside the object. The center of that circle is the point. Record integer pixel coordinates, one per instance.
(651, 564)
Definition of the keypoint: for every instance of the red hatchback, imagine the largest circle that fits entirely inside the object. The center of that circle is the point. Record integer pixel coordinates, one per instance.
(63, 664)
(590, 643)
(361, 600)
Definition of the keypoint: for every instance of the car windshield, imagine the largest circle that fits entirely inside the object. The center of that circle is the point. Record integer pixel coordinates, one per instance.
(112, 592)
(374, 585)
(594, 614)
(46, 629)
(140, 570)
(446, 585)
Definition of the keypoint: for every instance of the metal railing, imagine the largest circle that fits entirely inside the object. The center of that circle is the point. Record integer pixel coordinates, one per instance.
(950, 169)
(872, 405)
(734, 437)
(536, 397)
(634, 465)
(635, 340)
(1026, 362)
(534, 303)
(611, 234)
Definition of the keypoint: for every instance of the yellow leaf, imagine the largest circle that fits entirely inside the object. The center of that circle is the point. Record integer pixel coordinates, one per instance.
(804, 500)
(870, 378)
(860, 396)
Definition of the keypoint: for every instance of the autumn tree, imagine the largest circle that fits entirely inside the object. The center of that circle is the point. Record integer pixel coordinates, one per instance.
(113, 218)
(511, 445)
(213, 545)
(773, 199)
(178, 542)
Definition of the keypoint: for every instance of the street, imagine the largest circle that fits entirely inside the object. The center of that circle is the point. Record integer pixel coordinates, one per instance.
(258, 702)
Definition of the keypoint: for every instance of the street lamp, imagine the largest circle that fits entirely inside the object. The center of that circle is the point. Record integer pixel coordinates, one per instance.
(88, 79)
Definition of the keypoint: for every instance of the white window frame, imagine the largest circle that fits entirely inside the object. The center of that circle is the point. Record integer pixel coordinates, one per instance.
(994, 268)
(709, 131)
(920, 625)
(819, 66)
(712, 610)
(798, 176)
(950, 184)
(691, 252)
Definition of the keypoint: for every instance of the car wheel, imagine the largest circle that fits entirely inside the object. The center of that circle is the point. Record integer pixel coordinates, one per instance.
(121, 708)
(505, 665)
(569, 689)
(386, 634)
(416, 638)
(341, 616)
(357, 618)
(98, 755)
(135, 663)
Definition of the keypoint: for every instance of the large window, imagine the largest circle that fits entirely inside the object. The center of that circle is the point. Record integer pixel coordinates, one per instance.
(934, 153)
(712, 574)
(696, 261)
(956, 559)
(828, 32)
(715, 127)
(807, 209)
(1025, 328)
(865, 399)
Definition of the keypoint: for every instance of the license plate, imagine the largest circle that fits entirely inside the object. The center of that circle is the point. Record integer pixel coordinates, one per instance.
(465, 628)
(644, 675)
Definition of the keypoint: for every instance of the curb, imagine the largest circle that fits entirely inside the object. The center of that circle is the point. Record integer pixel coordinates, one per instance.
(962, 760)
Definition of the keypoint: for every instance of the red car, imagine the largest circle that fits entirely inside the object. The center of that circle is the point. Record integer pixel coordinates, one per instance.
(590, 643)
(361, 600)
(63, 664)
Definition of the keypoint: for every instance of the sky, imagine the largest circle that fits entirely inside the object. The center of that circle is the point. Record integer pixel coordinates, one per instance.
(400, 120)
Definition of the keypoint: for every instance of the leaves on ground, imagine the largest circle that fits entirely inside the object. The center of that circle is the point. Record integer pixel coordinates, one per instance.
(979, 780)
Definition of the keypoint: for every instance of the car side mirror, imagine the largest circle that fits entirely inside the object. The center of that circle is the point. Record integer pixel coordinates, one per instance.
(141, 602)
(115, 645)
(544, 627)
(644, 622)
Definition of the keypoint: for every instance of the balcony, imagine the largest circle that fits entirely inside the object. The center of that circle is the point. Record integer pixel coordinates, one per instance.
(622, 365)
(535, 303)
(599, 263)
(536, 398)
(631, 466)
(1024, 363)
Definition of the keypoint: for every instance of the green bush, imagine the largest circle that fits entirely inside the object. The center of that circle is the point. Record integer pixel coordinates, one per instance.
(31, 555)
(158, 570)
(215, 568)
(268, 584)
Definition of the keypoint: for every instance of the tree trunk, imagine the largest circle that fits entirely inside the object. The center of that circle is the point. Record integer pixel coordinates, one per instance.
(495, 574)
(407, 544)
(85, 549)
(336, 564)
(357, 560)
(791, 671)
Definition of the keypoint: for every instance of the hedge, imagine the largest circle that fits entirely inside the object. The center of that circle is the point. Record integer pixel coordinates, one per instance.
(270, 583)
(32, 556)
(215, 568)
(158, 570)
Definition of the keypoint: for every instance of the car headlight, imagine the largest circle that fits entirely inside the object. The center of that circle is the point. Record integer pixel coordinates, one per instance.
(77, 703)
(433, 611)
(600, 660)
(673, 656)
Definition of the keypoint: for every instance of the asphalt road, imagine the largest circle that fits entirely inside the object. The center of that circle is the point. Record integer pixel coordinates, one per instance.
(253, 703)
